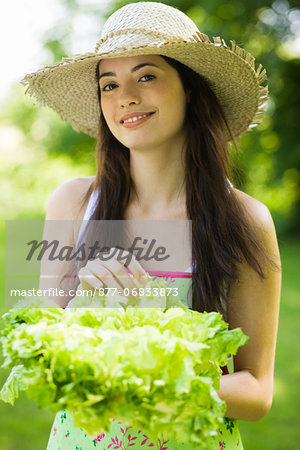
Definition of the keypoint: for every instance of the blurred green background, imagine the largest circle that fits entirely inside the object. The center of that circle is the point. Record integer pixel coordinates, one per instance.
(38, 151)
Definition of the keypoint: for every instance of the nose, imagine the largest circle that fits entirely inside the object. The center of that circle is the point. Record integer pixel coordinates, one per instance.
(129, 96)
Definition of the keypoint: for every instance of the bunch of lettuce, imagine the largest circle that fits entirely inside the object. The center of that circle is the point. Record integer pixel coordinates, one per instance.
(156, 369)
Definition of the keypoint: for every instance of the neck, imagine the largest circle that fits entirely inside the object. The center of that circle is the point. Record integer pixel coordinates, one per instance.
(158, 176)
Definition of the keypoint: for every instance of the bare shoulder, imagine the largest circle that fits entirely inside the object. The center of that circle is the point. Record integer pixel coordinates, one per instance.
(67, 201)
(262, 223)
(257, 211)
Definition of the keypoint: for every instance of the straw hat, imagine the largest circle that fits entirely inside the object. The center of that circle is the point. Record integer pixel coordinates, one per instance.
(70, 87)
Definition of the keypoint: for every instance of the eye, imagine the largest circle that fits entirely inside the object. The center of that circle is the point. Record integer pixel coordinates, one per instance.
(147, 78)
(108, 87)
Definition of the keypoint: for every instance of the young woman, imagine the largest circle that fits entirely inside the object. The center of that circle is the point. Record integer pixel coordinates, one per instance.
(163, 101)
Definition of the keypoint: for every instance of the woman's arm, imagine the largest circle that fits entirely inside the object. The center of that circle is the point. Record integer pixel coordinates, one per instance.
(254, 306)
(64, 214)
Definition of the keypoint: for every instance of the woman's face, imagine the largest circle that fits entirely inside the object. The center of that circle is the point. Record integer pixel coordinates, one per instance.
(143, 101)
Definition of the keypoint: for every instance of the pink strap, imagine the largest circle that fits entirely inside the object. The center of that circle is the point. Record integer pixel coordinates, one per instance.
(169, 274)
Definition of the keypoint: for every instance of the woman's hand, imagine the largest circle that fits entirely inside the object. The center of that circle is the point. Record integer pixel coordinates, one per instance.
(110, 272)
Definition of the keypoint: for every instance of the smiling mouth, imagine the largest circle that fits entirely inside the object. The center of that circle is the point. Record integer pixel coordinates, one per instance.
(136, 118)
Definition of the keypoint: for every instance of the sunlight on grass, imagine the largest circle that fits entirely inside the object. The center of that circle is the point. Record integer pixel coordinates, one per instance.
(280, 388)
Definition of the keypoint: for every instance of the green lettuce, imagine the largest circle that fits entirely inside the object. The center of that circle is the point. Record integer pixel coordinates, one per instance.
(153, 368)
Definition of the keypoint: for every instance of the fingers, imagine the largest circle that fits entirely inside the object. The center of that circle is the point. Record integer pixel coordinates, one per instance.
(140, 275)
(110, 271)
(88, 279)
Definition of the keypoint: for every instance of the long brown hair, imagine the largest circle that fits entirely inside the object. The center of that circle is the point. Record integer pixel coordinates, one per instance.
(222, 235)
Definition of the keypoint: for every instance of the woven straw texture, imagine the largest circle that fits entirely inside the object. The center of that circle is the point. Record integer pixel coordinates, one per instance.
(149, 28)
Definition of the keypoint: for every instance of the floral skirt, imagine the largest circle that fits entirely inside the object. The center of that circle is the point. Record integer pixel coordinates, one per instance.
(65, 436)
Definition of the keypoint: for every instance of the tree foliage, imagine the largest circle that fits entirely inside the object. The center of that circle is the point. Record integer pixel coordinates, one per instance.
(268, 158)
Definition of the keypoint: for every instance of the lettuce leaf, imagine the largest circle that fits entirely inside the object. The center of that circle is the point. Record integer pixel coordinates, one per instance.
(154, 368)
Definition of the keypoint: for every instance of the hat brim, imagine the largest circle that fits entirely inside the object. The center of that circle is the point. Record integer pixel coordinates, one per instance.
(70, 87)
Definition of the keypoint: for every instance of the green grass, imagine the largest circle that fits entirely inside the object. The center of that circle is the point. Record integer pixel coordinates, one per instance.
(25, 427)
(280, 429)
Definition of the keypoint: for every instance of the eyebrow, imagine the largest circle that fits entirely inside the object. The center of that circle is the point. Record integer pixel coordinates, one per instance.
(134, 69)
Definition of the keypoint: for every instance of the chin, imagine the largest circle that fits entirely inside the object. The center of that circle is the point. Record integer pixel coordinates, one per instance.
(138, 144)
(139, 147)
